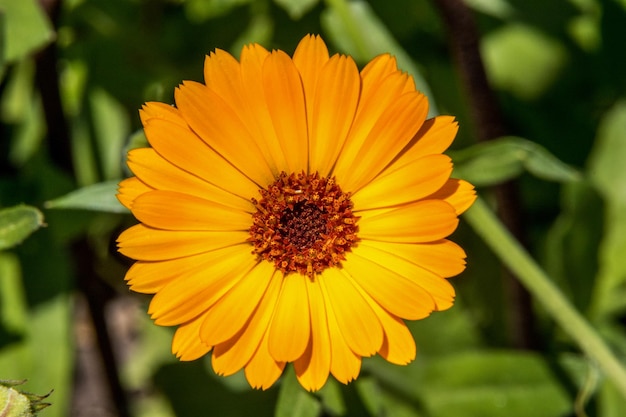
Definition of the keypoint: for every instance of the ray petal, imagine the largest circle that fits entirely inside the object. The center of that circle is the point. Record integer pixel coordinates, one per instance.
(313, 367)
(359, 325)
(186, 344)
(229, 315)
(290, 330)
(459, 194)
(129, 189)
(171, 210)
(422, 221)
(234, 354)
(405, 184)
(263, 370)
(148, 244)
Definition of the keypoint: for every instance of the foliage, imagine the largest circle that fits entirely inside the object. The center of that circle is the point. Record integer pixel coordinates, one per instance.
(557, 70)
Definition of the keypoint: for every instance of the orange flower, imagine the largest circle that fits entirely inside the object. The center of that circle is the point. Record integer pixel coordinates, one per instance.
(294, 210)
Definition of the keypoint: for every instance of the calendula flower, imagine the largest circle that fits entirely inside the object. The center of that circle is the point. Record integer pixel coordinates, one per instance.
(294, 210)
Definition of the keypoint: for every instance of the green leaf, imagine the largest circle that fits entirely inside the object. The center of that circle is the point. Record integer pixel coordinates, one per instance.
(522, 60)
(97, 197)
(381, 401)
(356, 30)
(502, 159)
(491, 384)
(26, 28)
(332, 399)
(297, 8)
(607, 173)
(111, 127)
(17, 223)
(293, 400)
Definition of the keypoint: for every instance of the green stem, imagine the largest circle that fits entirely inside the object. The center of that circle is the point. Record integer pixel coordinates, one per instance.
(487, 225)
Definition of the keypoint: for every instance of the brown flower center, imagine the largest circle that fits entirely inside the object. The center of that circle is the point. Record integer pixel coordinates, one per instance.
(303, 224)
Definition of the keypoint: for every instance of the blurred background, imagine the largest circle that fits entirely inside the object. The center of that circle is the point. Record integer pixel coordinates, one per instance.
(73, 74)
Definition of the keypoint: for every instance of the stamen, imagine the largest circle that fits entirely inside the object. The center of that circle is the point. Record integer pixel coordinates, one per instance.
(304, 223)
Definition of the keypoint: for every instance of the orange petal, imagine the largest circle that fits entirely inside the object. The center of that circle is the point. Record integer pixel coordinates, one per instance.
(443, 257)
(158, 173)
(153, 110)
(218, 125)
(405, 277)
(186, 150)
(313, 367)
(332, 110)
(398, 294)
(358, 323)
(262, 370)
(129, 189)
(458, 193)
(404, 184)
(186, 344)
(232, 355)
(200, 286)
(290, 329)
(285, 100)
(422, 221)
(231, 312)
(378, 145)
(434, 137)
(171, 210)
(147, 244)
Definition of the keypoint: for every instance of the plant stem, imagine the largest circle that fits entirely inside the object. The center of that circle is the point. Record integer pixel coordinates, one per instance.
(487, 225)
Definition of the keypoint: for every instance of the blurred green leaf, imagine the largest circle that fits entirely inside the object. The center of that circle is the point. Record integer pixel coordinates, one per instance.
(297, 8)
(500, 160)
(111, 126)
(356, 30)
(497, 8)
(332, 399)
(607, 173)
(488, 383)
(201, 10)
(383, 402)
(26, 28)
(17, 223)
(97, 197)
(522, 60)
(293, 400)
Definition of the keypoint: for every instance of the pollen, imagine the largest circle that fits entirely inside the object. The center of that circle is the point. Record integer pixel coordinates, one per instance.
(303, 224)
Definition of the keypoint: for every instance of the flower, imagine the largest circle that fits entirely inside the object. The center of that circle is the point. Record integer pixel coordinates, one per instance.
(294, 210)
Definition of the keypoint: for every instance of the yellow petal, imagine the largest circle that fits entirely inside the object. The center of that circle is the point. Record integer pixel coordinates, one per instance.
(345, 365)
(262, 370)
(158, 173)
(285, 101)
(404, 184)
(381, 68)
(356, 320)
(171, 210)
(218, 125)
(443, 257)
(405, 274)
(186, 150)
(313, 367)
(232, 355)
(231, 312)
(332, 110)
(147, 244)
(398, 294)
(379, 145)
(290, 329)
(153, 110)
(129, 189)
(458, 193)
(259, 119)
(186, 344)
(201, 285)
(309, 58)
(434, 137)
(422, 221)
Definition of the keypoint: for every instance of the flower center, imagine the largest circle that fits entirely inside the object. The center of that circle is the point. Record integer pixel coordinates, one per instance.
(303, 223)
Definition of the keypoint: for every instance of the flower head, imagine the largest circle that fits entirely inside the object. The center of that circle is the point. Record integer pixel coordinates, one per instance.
(294, 210)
